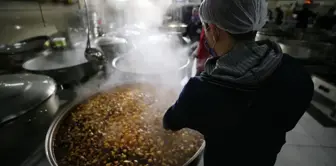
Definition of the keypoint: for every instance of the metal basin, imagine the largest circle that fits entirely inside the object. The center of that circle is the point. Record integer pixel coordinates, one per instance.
(273, 34)
(132, 73)
(66, 66)
(66, 111)
(306, 50)
(113, 46)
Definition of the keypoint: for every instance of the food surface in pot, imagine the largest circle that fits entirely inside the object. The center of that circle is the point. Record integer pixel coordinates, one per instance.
(123, 127)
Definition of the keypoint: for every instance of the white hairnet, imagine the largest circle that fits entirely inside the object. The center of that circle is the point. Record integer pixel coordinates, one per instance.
(235, 16)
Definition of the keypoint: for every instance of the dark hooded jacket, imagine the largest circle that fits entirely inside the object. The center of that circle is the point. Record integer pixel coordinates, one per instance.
(244, 103)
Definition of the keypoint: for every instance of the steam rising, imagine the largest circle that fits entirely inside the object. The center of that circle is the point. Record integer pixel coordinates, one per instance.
(156, 56)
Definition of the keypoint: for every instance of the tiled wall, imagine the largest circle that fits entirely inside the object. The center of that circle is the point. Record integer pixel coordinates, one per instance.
(29, 18)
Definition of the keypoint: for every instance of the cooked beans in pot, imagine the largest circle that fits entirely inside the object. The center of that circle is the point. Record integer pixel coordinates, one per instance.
(122, 128)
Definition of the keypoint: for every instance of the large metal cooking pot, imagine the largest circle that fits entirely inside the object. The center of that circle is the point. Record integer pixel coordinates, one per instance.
(28, 106)
(64, 66)
(136, 32)
(50, 138)
(307, 50)
(14, 55)
(274, 34)
(174, 27)
(113, 46)
(128, 72)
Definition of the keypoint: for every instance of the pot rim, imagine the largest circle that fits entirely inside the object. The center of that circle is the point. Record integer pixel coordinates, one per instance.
(27, 65)
(304, 43)
(115, 60)
(49, 150)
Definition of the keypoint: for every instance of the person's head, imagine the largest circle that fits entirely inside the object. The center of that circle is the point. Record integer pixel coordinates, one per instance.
(195, 11)
(305, 7)
(331, 11)
(227, 22)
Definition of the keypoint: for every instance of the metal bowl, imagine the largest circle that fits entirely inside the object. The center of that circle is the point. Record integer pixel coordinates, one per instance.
(50, 137)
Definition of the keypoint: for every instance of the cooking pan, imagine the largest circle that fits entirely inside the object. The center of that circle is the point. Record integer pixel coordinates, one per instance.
(64, 66)
(64, 113)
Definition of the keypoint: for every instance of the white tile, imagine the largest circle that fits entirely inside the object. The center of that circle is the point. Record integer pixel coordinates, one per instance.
(59, 6)
(322, 135)
(10, 35)
(304, 156)
(60, 19)
(19, 5)
(20, 17)
(331, 152)
(299, 137)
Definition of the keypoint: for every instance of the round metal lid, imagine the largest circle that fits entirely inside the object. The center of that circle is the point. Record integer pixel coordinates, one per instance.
(20, 93)
(56, 60)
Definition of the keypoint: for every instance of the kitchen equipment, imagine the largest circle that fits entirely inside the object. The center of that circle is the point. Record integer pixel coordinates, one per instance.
(64, 66)
(307, 50)
(273, 34)
(70, 110)
(71, 65)
(28, 106)
(112, 46)
(131, 71)
(324, 98)
(12, 56)
(135, 35)
(59, 42)
(174, 27)
(92, 54)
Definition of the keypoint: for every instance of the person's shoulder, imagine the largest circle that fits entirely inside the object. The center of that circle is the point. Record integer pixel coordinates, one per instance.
(202, 85)
(288, 62)
(291, 72)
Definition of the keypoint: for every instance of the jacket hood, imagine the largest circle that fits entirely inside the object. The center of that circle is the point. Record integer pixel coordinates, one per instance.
(247, 63)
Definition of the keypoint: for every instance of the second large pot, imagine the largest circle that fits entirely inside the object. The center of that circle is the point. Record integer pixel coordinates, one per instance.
(65, 66)
(128, 70)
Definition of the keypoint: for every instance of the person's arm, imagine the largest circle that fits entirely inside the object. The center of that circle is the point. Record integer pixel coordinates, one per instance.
(180, 115)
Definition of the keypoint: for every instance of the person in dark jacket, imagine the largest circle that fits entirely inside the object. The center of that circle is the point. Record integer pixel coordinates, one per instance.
(250, 94)
(303, 17)
(327, 21)
(279, 16)
(194, 27)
